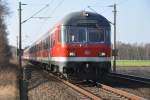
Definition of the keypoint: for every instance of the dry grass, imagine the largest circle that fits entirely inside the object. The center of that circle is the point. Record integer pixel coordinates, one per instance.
(8, 82)
(8, 92)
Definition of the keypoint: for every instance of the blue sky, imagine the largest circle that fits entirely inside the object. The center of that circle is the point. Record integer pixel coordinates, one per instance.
(133, 17)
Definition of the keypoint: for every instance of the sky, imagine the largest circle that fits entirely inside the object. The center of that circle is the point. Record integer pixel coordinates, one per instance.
(133, 18)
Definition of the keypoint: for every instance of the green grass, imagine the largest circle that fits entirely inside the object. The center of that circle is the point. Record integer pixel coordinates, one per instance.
(133, 63)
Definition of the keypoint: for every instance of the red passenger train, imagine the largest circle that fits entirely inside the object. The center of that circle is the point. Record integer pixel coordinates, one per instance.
(79, 45)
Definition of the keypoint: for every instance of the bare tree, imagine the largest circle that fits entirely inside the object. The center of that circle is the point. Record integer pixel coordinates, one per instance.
(147, 51)
(133, 51)
(4, 47)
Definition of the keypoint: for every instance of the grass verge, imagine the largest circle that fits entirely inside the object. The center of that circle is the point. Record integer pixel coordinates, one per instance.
(137, 63)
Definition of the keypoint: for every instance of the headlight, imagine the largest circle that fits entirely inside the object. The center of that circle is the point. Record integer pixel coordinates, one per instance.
(72, 54)
(102, 54)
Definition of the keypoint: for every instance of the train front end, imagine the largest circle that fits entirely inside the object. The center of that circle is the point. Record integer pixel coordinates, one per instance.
(86, 46)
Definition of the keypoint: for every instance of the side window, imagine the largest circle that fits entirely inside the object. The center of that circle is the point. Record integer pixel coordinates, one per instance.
(47, 42)
(107, 35)
(41, 46)
(53, 40)
(59, 35)
(35, 47)
(38, 47)
(102, 35)
(53, 43)
(50, 41)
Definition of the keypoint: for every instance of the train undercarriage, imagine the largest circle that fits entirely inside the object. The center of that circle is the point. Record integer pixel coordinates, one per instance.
(77, 70)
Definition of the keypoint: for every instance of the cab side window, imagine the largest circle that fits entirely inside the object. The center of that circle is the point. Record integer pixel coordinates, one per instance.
(53, 40)
(59, 35)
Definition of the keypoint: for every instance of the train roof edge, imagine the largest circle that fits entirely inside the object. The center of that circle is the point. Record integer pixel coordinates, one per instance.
(73, 17)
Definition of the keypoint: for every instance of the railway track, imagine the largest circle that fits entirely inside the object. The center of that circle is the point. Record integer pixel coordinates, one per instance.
(132, 84)
(99, 92)
(106, 92)
(130, 78)
(121, 94)
(84, 92)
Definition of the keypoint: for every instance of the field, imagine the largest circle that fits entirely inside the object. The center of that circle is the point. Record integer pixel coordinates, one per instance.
(138, 63)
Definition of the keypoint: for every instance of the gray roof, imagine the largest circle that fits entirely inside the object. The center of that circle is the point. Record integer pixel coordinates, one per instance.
(74, 18)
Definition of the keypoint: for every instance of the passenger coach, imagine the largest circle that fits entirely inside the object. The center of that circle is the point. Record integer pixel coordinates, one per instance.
(79, 45)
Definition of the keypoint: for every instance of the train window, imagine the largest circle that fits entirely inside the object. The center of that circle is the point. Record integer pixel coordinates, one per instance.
(59, 35)
(47, 43)
(76, 34)
(96, 35)
(92, 25)
(46, 46)
(107, 35)
(35, 48)
(41, 46)
(52, 40)
(84, 34)
(87, 23)
(81, 34)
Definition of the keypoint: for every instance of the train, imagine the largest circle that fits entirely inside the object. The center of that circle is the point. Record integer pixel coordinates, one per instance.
(79, 45)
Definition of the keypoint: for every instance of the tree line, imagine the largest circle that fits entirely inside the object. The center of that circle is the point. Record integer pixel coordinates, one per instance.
(127, 51)
(4, 47)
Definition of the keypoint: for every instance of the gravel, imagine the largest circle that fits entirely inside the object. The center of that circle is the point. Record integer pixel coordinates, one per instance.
(41, 88)
(106, 95)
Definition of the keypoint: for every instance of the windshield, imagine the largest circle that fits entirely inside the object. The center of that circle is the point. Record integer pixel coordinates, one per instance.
(95, 35)
(76, 34)
(84, 34)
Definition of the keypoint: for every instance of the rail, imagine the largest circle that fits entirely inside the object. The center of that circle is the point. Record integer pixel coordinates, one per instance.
(120, 92)
(93, 96)
(105, 87)
(131, 78)
(79, 89)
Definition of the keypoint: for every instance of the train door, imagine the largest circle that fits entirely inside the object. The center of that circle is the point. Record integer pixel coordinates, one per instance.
(53, 40)
(48, 48)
